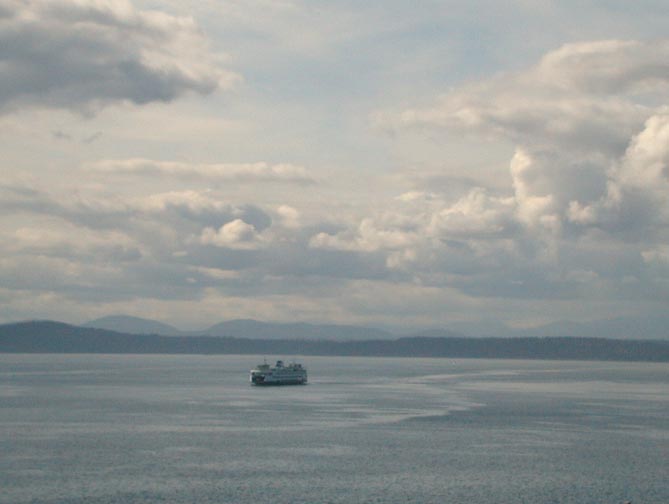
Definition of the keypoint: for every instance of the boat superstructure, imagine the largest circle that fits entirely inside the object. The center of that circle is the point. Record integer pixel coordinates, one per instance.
(280, 374)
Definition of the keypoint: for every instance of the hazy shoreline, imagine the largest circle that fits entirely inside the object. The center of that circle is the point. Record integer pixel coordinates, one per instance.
(54, 337)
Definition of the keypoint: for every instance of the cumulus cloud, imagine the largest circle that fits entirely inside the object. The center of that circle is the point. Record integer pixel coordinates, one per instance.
(638, 185)
(84, 54)
(165, 246)
(289, 216)
(478, 214)
(646, 162)
(589, 180)
(157, 246)
(369, 237)
(585, 212)
(242, 172)
(180, 212)
(573, 198)
(583, 96)
(236, 234)
(591, 146)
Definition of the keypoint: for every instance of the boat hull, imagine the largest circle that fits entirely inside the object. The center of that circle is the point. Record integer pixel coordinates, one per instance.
(277, 383)
(266, 381)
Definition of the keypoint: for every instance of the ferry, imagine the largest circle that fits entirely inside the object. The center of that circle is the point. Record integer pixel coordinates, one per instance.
(281, 374)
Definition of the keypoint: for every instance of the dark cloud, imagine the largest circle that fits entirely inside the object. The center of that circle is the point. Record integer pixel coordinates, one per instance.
(92, 138)
(61, 135)
(83, 55)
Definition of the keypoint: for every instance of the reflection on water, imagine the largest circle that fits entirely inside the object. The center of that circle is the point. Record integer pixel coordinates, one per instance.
(98, 429)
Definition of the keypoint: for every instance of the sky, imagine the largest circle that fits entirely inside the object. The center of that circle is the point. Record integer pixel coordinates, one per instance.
(388, 163)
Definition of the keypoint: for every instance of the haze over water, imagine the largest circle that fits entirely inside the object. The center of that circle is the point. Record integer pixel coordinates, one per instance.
(184, 429)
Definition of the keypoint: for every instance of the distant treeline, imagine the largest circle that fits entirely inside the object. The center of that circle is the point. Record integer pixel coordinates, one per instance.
(55, 337)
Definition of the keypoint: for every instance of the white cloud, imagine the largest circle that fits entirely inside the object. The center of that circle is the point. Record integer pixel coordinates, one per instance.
(159, 221)
(607, 67)
(571, 198)
(589, 180)
(577, 213)
(638, 184)
(289, 216)
(582, 96)
(591, 144)
(84, 54)
(369, 237)
(646, 162)
(193, 201)
(56, 241)
(475, 215)
(657, 255)
(198, 207)
(413, 196)
(236, 234)
(241, 172)
(532, 208)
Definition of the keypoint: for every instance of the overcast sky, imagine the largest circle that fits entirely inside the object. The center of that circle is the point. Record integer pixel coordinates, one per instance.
(398, 163)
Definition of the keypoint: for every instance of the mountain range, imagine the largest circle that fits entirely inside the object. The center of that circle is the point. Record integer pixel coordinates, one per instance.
(617, 328)
(56, 337)
(242, 328)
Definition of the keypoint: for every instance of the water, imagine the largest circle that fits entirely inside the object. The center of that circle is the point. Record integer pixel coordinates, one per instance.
(189, 429)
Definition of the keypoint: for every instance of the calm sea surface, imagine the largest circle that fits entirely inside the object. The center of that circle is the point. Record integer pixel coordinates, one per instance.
(190, 429)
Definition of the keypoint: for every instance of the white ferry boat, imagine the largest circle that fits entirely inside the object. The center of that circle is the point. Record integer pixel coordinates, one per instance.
(291, 374)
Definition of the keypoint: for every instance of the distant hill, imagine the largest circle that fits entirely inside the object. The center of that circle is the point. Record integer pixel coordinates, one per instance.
(242, 328)
(266, 330)
(132, 325)
(618, 328)
(438, 333)
(56, 337)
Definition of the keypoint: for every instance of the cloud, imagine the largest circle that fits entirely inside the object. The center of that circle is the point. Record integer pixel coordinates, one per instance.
(589, 180)
(572, 200)
(658, 255)
(583, 214)
(583, 96)
(369, 237)
(175, 245)
(92, 138)
(289, 216)
(590, 143)
(236, 234)
(61, 135)
(607, 67)
(125, 247)
(241, 172)
(200, 208)
(636, 197)
(82, 55)
(646, 162)
(175, 212)
(477, 214)
(56, 241)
